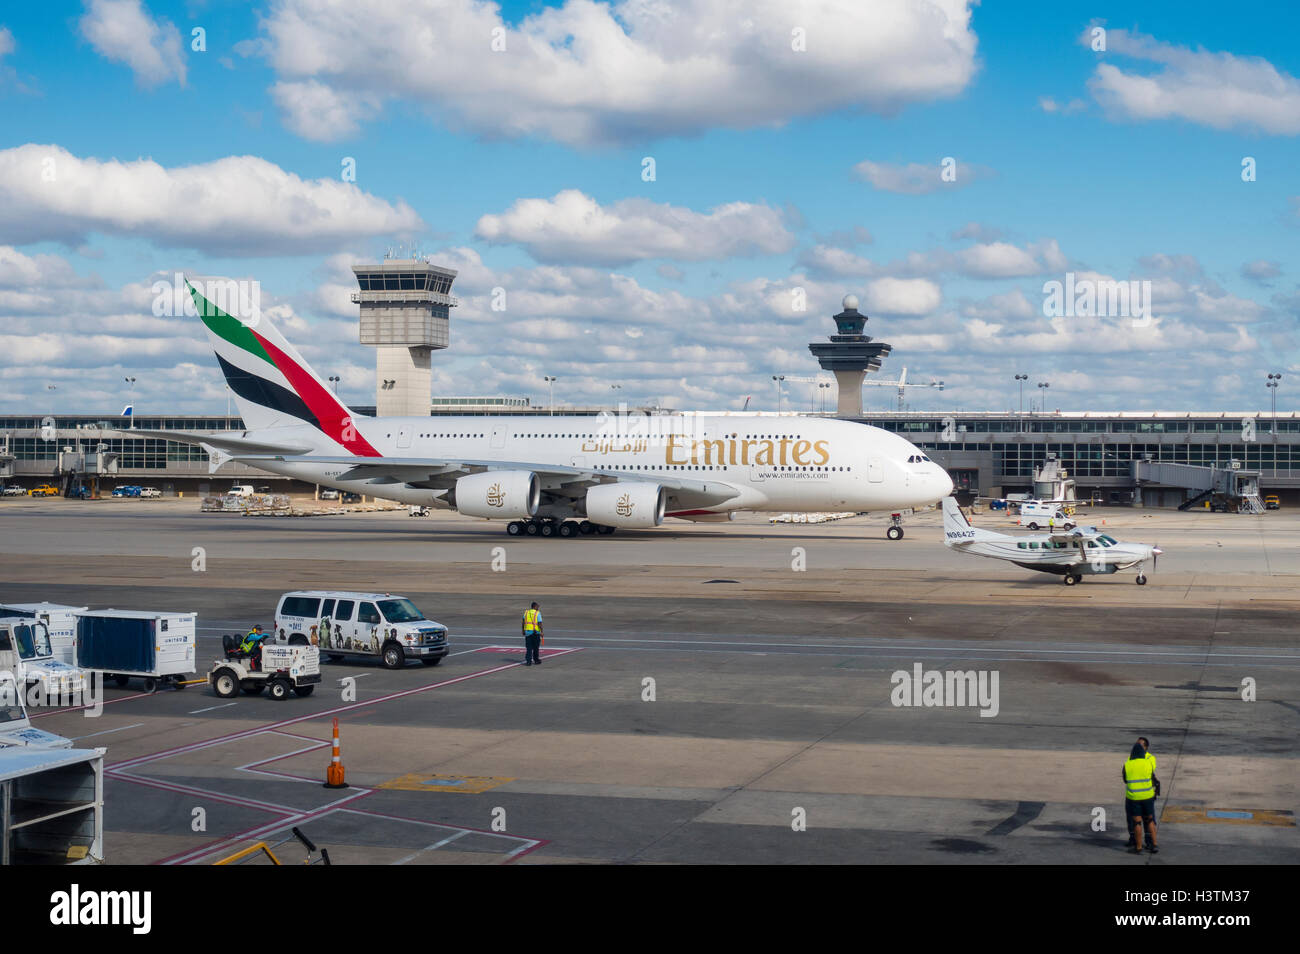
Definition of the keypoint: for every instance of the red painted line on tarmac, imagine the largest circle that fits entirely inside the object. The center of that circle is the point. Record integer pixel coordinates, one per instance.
(275, 825)
(325, 713)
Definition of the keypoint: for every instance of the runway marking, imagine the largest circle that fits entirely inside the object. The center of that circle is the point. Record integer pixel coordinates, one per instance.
(210, 708)
(1185, 814)
(757, 643)
(134, 725)
(434, 847)
(307, 717)
(462, 784)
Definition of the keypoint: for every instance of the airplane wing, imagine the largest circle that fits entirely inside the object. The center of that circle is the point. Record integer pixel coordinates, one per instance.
(229, 442)
(557, 480)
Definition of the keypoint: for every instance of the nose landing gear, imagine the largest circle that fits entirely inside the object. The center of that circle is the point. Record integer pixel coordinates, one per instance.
(895, 531)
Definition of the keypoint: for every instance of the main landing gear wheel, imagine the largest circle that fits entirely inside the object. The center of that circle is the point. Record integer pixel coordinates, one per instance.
(601, 528)
(894, 533)
(548, 529)
(568, 529)
(586, 527)
(1141, 580)
(1071, 579)
(515, 528)
(531, 528)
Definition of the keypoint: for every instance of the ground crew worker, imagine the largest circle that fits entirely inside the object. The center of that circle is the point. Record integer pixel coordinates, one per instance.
(1146, 747)
(532, 625)
(1140, 797)
(252, 645)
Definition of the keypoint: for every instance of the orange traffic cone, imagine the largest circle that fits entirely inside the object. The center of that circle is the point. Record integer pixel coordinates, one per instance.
(334, 773)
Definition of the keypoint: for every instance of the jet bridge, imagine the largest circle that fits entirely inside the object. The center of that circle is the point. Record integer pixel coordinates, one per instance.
(1164, 484)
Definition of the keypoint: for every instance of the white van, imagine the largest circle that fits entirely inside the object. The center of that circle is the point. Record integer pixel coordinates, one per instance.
(1035, 514)
(367, 624)
(240, 490)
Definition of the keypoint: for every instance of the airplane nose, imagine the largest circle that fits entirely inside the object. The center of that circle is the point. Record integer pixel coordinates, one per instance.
(943, 482)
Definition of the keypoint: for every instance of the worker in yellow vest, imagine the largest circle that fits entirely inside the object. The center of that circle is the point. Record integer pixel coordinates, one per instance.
(532, 625)
(1140, 797)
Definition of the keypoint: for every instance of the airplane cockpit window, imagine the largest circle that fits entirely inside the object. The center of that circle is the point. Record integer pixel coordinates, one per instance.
(1107, 541)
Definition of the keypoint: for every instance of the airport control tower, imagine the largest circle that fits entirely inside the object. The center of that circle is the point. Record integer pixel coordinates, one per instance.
(405, 314)
(849, 355)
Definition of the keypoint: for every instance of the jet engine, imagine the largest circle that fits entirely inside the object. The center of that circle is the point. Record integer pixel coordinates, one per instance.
(626, 504)
(499, 494)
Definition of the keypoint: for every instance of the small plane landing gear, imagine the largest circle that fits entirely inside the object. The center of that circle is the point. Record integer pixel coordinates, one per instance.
(1141, 580)
(1070, 579)
(895, 531)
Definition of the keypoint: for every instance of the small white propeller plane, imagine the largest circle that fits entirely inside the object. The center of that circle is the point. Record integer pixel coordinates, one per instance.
(1069, 554)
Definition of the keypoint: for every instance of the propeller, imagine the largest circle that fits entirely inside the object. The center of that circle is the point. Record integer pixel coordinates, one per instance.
(1155, 557)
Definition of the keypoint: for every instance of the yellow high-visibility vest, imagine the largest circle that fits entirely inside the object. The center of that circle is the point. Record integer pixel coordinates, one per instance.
(1138, 786)
(532, 620)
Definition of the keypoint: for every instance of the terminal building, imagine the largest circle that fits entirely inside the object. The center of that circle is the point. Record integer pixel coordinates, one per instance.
(1111, 457)
(1149, 458)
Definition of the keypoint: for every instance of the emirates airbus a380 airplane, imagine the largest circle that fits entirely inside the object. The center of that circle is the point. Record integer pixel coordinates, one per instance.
(551, 475)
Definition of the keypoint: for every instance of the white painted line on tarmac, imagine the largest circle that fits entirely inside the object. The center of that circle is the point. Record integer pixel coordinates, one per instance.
(120, 728)
(210, 708)
(436, 845)
(758, 643)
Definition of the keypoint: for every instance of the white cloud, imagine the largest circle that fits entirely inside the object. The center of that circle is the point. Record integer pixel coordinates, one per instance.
(123, 31)
(1215, 89)
(1049, 105)
(7, 45)
(574, 228)
(589, 73)
(827, 260)
(240, 205)
(1004, 260)
(1261, 271)
(902, 296)
(918, 178)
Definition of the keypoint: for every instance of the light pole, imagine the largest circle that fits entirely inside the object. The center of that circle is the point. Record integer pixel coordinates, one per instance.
(1042, 401)
(778, 378)
(334, 380)
(822, 387)
(1273, 381)
(616, 388)
(1021, 379)
(550, 383)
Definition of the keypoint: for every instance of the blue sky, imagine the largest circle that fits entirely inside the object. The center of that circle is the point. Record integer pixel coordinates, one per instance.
(778, 170)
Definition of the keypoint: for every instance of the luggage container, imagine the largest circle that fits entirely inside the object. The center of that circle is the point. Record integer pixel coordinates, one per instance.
(155, 647)
(60, 620)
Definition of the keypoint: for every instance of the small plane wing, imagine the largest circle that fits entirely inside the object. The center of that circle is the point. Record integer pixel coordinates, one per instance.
(443, 472)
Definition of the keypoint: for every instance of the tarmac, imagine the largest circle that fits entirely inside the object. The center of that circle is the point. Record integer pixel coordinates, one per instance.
(710, 693)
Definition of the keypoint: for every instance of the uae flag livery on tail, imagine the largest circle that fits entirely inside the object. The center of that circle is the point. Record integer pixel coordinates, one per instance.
(272, 384)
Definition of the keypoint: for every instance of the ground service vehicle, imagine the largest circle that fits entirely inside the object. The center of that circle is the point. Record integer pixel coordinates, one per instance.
(13, 491)
(15, 728)
(25, 651)
(1272, 502)
(150, 492)
(60, 621)
(369, 624)
(240, 490)
(1035, 514)
(155, 647)
(280, 670)
(45, 490)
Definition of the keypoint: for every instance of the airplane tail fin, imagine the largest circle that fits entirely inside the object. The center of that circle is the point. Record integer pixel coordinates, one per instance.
(957, 528)
(272, 384)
